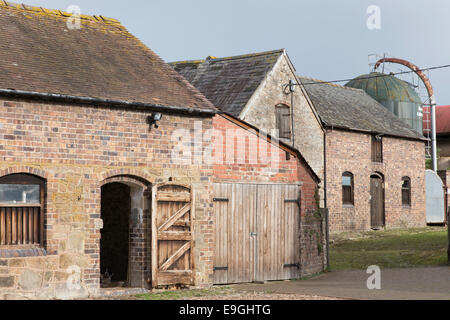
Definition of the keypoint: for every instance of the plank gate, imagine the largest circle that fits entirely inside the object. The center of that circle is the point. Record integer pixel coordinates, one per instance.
(172, 235)
(257, 230)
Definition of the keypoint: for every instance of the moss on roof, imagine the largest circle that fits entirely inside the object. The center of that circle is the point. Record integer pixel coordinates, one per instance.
(40, 53)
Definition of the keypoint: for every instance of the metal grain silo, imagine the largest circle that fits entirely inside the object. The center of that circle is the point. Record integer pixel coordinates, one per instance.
(396, 95)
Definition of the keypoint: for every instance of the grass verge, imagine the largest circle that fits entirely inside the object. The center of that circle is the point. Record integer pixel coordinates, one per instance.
(187, 294)
(389, 249)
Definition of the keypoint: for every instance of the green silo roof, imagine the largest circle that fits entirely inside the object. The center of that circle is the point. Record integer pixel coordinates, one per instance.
(385, 87)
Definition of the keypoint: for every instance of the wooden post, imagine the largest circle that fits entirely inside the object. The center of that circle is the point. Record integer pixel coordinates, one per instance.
(154, 239)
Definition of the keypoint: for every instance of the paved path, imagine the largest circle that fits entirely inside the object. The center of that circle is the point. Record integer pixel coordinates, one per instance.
(396, 284)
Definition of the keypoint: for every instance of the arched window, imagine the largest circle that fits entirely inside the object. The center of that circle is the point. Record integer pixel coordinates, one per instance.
(283, 119)
(406, 191)
(347, 189)
(21, 210)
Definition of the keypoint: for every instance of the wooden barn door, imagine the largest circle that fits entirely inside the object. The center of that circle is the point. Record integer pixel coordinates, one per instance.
(377, 202)
(278, 224)
(172, 235)
(235, 233)
(256, 232)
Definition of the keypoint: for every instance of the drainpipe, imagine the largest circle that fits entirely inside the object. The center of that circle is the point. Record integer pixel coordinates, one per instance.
(292, 90)
(327, 212)
(433, 133)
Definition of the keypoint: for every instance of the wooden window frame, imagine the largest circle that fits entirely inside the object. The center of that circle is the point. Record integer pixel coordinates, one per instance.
(279, 123)
(345, 201)
(377, 148)
(406, 200)
(9, 209)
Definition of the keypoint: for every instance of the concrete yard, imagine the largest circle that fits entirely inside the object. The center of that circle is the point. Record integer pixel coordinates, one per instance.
(431, 283)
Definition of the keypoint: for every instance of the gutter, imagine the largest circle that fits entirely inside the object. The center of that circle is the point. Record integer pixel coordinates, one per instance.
(374, 132)
(106, 102)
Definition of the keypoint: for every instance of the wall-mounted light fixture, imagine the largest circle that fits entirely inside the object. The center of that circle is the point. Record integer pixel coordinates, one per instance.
(153, 119)
(291, 86)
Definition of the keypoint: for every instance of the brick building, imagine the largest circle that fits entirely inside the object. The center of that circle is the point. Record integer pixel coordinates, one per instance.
(107, 166)
(374, 162)
(335, 129)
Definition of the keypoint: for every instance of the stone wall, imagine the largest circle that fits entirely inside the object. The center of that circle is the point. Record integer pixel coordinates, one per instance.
(75, 148)
(308, 134)
(313, 243)
(351, 151)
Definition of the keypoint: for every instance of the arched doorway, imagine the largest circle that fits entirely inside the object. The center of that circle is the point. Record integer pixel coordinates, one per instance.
(377, 214)
(125, 241)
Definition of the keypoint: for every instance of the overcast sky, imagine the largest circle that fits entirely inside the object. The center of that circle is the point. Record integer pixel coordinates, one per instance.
(326, 39)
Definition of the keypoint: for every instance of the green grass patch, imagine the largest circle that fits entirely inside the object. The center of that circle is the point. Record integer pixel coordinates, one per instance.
(187, 294)
(389, 249)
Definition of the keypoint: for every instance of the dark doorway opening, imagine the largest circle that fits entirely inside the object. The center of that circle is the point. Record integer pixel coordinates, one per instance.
(115, 235)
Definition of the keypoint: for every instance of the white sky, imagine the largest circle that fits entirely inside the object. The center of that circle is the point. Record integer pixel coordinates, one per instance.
(326, 39)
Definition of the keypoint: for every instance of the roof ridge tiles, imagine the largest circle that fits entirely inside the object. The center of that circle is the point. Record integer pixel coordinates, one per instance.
(333, 84)
(215, 59)
(55, 12)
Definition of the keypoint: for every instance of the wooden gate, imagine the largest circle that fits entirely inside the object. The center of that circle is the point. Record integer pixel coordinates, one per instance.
(256, 232)
(377, 202)
(172, 235)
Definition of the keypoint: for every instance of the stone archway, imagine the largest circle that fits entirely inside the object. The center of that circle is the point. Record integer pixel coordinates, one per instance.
(125, 242)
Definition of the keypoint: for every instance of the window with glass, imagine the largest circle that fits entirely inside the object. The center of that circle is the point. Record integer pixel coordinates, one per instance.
(21, 210)
(406, 191)
(347, 189)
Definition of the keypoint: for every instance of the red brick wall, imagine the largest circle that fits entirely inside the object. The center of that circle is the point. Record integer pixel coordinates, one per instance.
(75, 148)
(351, 151)
(245, 166)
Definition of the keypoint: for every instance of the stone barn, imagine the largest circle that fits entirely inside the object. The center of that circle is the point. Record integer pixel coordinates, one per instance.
(108, 172)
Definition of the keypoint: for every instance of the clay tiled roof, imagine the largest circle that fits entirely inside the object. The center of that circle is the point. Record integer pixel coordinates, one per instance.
(39, 53)
(353, 109)
(443, 120)
(230, 82)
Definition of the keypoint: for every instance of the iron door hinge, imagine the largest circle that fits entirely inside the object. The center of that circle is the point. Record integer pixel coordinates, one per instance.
(220, 268)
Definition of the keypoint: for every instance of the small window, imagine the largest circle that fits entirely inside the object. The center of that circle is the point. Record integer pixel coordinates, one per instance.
(21, 210)
(347, 189)
(283, 118)
(406, 191)
(377, 149)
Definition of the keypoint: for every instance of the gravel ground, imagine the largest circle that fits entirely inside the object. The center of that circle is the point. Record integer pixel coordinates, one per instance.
(266, 296)
(236, 297)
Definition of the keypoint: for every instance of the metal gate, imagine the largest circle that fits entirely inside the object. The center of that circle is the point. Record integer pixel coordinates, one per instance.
(257, 230)
(172, 230)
